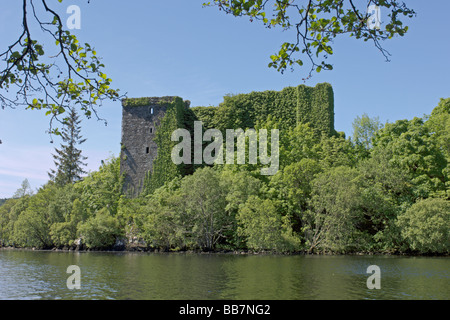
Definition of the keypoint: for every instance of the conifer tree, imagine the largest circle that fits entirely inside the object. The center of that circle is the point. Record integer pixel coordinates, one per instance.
(68, 159)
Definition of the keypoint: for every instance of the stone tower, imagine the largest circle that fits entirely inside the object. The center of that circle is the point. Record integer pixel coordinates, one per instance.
(140, 120)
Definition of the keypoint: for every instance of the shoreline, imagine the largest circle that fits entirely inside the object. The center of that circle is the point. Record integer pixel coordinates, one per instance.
(143, 250)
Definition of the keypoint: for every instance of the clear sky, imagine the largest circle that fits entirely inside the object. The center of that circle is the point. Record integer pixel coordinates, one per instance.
(177, 47)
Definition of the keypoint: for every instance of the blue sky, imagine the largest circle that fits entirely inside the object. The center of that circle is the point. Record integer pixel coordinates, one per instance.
(177, 47)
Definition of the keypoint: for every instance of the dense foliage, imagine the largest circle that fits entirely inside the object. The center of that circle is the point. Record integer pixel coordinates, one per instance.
(385, 190)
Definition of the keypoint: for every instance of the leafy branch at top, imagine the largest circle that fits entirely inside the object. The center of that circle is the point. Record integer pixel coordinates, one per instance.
(316, 24)
(72, 75)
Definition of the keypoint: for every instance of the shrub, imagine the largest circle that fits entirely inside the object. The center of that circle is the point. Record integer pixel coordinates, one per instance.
(425, 226)
(100, 231)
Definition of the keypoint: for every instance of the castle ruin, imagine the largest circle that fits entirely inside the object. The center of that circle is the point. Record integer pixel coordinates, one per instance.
(143, 118)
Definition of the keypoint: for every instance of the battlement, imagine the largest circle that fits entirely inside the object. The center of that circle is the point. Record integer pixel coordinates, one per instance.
(149, 101)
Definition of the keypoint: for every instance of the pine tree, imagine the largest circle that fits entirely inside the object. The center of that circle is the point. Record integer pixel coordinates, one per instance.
(68, 159)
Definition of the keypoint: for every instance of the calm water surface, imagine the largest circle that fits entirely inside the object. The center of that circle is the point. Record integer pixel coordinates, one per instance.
(42, 275)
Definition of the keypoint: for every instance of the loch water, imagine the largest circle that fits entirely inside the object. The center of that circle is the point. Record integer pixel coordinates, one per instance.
(29, 275)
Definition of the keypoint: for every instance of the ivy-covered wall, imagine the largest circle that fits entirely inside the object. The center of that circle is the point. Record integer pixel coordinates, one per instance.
(178, 116)
(292, 105)
(315, 105)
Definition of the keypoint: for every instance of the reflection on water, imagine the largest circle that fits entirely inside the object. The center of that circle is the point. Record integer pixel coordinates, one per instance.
(42, 275)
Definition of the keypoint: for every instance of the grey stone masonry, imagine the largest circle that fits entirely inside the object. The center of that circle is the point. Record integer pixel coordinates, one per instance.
(138, 150)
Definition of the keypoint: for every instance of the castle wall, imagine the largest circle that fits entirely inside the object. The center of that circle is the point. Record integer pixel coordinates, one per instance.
(139, 150)
(290, 106)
